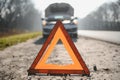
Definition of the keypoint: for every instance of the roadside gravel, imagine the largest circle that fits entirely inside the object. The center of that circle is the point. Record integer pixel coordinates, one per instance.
(16, 60)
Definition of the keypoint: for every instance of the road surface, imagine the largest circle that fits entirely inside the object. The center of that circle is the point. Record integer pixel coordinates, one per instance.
(111, 36)
(16, 60)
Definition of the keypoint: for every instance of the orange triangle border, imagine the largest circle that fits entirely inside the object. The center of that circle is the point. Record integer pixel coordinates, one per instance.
(32, 69)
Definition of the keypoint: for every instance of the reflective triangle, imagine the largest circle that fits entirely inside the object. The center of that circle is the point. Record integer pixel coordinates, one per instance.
(58, 33)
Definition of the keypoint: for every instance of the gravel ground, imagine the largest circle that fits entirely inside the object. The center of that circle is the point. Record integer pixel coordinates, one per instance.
(15, 60)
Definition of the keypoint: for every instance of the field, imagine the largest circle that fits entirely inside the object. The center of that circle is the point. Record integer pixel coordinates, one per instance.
(14, 39)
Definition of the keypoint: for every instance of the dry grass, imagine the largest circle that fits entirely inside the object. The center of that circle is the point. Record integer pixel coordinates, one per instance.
(12, 40)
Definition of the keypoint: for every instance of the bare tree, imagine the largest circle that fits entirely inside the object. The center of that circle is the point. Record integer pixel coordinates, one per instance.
(115, 11)
(18, 15)
(106, 17)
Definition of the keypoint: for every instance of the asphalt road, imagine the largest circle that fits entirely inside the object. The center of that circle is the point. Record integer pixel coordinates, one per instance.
(16, 60)
(111, 36)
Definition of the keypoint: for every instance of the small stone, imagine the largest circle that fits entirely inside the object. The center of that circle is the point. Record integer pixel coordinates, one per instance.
(106, 69)
(81, 79)
(13, 56)
(95, 68)
(116, 50)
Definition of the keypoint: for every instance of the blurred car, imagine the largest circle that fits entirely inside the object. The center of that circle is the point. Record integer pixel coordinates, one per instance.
(63, 12)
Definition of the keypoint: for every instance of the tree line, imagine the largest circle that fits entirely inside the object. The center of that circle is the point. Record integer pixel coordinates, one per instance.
(18, 16)
(106, 17)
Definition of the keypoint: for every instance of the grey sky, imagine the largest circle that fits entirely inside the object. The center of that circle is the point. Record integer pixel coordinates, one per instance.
(82, 7)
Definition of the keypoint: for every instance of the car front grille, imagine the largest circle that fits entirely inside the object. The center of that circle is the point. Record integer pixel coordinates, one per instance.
(68, 30)
(72, 30)
(47, 30)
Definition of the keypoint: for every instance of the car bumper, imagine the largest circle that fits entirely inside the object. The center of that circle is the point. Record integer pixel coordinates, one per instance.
(72, 34)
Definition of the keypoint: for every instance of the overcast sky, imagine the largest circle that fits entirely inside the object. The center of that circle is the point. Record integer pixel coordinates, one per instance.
(81, 7)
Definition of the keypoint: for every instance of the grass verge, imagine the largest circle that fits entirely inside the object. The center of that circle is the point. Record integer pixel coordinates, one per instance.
(14, 39)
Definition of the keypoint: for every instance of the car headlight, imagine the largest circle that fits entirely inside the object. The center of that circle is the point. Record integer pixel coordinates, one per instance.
(44, 23)
(75, 22)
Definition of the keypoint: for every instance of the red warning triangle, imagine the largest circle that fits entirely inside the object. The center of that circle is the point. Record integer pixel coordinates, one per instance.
(58, 33)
